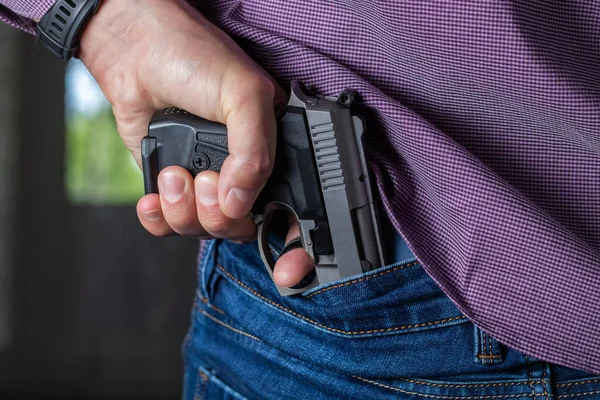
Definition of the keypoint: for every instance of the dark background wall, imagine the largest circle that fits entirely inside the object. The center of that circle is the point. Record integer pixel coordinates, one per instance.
(91, 306)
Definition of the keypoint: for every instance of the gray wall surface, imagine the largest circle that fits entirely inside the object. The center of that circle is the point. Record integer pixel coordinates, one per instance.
(8, 158)
(95, 307)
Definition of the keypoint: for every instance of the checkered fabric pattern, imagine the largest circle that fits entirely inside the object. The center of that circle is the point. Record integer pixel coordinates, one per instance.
(23, 13)
(484, 137)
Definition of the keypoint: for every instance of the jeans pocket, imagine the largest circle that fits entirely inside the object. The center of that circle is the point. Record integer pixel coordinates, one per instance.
(208, 279)
(398, 298)
(202, 384)
(369, 284)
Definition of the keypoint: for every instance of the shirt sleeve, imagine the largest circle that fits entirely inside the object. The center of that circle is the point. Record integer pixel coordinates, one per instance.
(23, 13)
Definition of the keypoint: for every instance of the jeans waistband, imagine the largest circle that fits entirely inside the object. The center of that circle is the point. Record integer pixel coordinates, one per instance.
(398, 300)
(399, 297)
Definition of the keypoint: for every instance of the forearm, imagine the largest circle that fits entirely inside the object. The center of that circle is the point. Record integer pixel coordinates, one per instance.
(24, 14)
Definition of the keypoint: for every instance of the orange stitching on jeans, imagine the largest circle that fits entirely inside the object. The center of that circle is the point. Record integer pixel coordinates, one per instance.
(361, 279)
(506, 396)
(205, 301)
(544, 383)
(461, 385)
(217, 309)
(489, 342)
(218, 321)
(577, 394)
(487, 357)
(578, 382)
(201, 395)
(530, 377)
(382, 330)
(482, 338)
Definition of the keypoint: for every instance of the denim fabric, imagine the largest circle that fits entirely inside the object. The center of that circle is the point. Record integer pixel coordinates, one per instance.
(389, 333)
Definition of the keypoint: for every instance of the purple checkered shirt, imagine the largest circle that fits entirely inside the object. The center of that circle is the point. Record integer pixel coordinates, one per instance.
(485, 141)
(24, 13)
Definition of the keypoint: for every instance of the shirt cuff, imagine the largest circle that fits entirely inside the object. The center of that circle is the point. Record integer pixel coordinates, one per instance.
(23, 14)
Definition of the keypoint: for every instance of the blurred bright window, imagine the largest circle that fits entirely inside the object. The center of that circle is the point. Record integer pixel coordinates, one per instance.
(99, 168)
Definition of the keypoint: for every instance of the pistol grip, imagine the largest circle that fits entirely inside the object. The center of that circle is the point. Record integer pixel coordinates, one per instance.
(176, 137)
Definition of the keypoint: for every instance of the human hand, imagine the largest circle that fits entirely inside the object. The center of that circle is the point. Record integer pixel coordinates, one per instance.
(147, 55)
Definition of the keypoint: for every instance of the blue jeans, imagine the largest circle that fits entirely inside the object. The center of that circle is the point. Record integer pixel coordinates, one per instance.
(389, 333)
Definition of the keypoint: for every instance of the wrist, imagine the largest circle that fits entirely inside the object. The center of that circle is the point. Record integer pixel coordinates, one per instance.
(111, 33)
(124, 39)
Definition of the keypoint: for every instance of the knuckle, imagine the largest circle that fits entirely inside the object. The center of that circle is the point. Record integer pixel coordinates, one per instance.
(235, 102)
(162, 232)
(180, 220)
(259, 167)
(262, 85)
(123, 89)
(246, 89)
(217, 227)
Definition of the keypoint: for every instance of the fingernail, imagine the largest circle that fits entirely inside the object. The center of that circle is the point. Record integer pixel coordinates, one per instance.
(239, 201)
(152, 215)
(206, 191)
(171, 187)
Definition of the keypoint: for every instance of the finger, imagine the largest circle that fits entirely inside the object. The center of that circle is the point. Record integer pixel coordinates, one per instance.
(294, 265)
(151, 216)
(251, 130)
(178, 203)
(246, 105)
(132, 117)
(212, 218)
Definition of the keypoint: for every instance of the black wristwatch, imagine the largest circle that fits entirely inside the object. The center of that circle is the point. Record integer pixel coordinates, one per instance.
(61, 28)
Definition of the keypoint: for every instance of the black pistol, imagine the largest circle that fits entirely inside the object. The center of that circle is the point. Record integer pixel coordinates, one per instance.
(320, 176)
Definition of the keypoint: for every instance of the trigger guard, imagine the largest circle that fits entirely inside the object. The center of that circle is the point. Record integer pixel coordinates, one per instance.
(262, 224)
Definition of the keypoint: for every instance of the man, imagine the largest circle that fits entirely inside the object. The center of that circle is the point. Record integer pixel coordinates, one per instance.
(483, 139)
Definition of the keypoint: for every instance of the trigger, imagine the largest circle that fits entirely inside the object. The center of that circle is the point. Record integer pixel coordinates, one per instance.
(257, 218)
(294, 244)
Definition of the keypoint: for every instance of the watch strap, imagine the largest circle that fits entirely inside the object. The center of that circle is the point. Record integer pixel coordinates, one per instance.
(61, 28)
